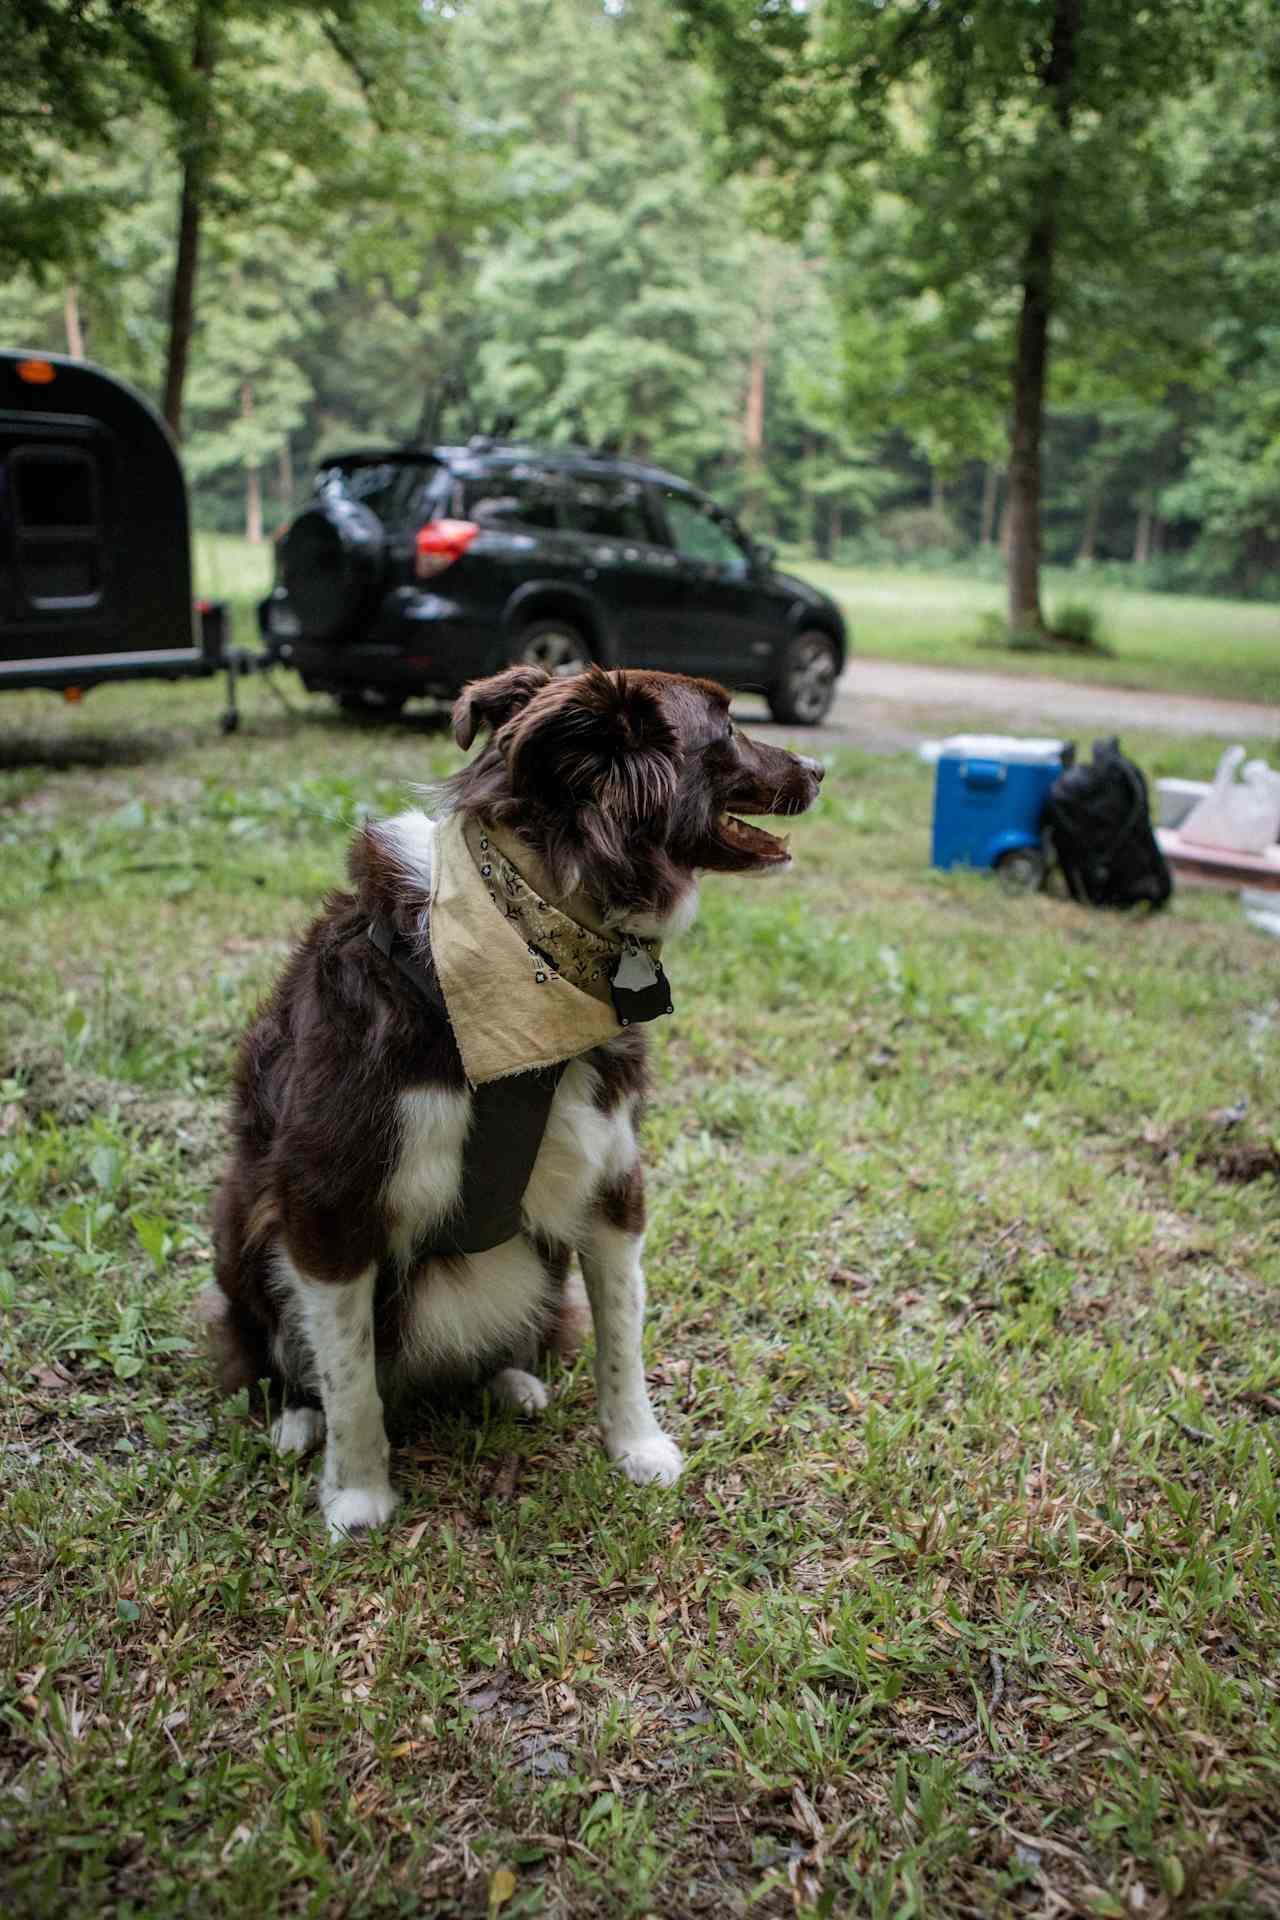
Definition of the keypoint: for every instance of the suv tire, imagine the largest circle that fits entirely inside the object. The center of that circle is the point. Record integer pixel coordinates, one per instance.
(332, 561)
(371, 703)
(806, 684)
(553, 643)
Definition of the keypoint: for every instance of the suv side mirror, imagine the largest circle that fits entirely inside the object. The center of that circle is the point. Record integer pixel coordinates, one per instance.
(763, 554)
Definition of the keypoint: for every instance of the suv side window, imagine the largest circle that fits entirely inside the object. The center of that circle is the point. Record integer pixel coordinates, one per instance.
(611, 509)
(698, 533)
(512, 496)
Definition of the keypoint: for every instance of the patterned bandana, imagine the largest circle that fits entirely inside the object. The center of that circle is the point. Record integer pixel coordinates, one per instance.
(530, 985)
(558, 943)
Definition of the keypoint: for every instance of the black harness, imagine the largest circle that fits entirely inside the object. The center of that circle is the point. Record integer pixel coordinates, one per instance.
(508, 1116)
(508, 1120)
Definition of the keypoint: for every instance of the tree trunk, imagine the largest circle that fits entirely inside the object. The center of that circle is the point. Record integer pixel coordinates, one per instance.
(253, 505)
(252, 476)
(990, 496)
(1089, 538)
(1142, 537)
(1031, 354)
(753, 413)
(284, 473)
(71, 314)
(1022, 519)
(937, 491)
(194, 170)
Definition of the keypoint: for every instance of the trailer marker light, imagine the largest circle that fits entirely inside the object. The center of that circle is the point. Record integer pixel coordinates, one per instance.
(36, 373)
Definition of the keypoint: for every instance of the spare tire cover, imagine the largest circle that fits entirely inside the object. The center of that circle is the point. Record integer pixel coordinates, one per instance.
(331, 561)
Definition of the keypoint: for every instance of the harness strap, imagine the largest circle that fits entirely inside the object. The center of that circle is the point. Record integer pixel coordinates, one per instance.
(508, 1120)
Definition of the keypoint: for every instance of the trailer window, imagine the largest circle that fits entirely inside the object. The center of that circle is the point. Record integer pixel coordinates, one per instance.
(55, 490)
(57, 523)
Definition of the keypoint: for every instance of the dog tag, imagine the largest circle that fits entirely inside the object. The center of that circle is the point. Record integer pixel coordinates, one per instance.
(639, 987)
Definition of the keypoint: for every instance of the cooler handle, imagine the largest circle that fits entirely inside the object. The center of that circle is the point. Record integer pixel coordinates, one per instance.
(983, 773)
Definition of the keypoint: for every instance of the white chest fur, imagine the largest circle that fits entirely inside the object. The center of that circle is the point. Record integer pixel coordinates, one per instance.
(463, 1311)
(582, 1148)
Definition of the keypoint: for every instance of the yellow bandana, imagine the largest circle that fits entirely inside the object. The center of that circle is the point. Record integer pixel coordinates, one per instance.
(526, 986)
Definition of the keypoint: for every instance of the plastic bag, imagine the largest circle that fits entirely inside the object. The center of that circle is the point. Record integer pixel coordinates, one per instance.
(1241, 815)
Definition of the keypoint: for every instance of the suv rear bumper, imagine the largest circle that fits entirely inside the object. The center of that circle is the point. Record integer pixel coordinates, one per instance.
(418, 643)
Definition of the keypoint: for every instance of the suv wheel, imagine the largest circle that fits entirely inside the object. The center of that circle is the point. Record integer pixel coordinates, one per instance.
(552, 643)
(806, 684)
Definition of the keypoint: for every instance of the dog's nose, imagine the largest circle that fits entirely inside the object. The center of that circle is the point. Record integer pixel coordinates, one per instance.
(815, 767)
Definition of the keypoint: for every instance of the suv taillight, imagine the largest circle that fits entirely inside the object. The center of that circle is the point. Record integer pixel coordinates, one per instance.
(440, 543)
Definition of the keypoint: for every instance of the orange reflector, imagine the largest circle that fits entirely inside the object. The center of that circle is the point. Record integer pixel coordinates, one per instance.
(36, 373)
(73, 694)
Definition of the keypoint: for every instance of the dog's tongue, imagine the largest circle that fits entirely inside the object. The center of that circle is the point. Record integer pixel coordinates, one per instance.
(753, 840)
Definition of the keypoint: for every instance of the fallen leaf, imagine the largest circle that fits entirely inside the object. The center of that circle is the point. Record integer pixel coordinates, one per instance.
(502, 1884)
(53, 1379)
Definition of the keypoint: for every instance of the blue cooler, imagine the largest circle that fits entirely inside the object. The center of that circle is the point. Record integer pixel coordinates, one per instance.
(988, 799)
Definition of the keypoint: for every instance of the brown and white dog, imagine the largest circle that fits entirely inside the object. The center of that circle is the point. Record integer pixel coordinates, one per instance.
(351, 1106)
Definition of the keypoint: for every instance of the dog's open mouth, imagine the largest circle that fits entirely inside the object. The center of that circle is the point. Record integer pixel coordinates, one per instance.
(751, 844)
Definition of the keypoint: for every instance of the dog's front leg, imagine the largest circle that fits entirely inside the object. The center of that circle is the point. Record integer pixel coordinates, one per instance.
(335, 1319)
(610, 1253)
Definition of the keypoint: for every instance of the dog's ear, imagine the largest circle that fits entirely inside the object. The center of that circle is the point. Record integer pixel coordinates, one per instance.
(491, 703)
(599, 741)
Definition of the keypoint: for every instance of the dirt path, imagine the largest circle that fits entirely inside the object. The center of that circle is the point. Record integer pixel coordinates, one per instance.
(886, 706)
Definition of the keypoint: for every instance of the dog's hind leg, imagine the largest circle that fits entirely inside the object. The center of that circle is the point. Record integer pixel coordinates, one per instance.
(297, 1429)
(335, 1320)
(610, 1256)
(520, 1389)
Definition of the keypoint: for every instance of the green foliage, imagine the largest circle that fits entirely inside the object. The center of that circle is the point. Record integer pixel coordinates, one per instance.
(910, 532)
(1078, 623)
(941, 140)
(65, 77)
(425, 218)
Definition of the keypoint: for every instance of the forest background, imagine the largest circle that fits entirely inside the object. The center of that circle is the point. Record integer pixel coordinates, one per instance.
(787, 250)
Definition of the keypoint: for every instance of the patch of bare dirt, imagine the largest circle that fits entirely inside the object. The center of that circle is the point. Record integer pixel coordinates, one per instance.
(71, 1096)
(1219, 1144)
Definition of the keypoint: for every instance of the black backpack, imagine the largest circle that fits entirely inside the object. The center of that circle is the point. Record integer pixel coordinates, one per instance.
(1098, 818)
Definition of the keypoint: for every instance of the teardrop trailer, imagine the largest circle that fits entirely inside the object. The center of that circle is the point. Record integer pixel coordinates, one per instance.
(95, 539)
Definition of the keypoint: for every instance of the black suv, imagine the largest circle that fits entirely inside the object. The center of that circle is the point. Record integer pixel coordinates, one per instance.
(413, 572)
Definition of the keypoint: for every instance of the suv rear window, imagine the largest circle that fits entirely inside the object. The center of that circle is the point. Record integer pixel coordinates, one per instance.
(390, 488)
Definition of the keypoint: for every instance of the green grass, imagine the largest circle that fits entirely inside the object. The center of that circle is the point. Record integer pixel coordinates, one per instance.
(228, 568)
(969, 1602)
(1167, 642)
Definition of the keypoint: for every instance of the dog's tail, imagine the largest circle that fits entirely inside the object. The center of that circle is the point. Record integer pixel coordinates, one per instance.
(237, 1343)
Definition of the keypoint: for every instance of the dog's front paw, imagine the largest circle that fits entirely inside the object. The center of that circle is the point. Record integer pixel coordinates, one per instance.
(523, 1391)
(652, 1460)
(352, 1510)
(297, 1430)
